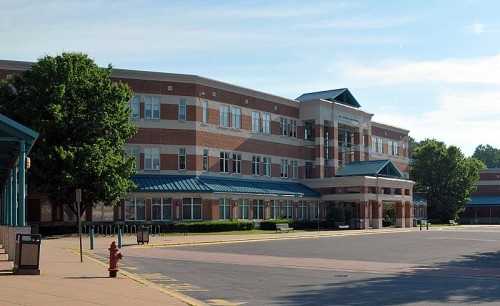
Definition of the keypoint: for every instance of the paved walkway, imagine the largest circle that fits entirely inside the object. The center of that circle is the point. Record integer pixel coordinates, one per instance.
(64, 280)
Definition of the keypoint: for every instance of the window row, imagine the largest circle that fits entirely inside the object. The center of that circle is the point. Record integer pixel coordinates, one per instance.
(261, 165)
(245, 209)
(392, 146)
(152, 107)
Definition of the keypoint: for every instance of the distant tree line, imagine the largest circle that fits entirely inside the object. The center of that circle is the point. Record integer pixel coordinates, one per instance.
(489, 155)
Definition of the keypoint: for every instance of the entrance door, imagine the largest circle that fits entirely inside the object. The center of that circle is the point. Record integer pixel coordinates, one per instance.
(33, 210)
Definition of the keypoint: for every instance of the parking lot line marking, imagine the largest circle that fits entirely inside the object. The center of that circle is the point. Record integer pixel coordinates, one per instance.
(220, 302)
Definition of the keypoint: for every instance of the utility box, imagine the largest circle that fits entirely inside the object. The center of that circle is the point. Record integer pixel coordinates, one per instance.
(27, 257)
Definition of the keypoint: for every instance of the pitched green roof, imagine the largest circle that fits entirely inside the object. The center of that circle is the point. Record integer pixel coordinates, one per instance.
(212, 184)
(378, 168)
(342, 95)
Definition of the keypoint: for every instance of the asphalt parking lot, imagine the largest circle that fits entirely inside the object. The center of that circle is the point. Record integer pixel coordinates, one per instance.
(448, 265)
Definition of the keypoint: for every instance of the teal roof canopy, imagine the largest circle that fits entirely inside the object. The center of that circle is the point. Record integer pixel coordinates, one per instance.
(377, 168)
(484, 201)
(212, 184)
(11, 133)
(342, 95)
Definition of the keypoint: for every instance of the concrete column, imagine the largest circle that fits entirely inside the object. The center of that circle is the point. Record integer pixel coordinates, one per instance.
(14, 197)
(364, 215)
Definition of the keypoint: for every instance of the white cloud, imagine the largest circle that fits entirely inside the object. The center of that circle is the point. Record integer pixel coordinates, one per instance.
(478, 28)
(399, 71)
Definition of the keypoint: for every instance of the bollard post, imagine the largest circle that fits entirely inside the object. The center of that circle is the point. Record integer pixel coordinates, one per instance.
(91, 238)
(420, 225)
(119, 238)
(427, 225)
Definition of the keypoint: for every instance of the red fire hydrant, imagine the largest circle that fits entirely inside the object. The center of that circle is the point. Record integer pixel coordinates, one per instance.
(114, 256)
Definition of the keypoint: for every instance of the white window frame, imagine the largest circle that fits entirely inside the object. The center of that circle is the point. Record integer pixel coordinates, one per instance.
(182, 109)
(134, 151)
(224, 115)
(255, 122)
(236, 115)
(295, 169)
(256, 165)
(288, 209)
(152, 158)
(266, 166)
(243, 209)
(374, 144)
(152, 107)
(224, 162)
(182, 160)
(284, 168)
(204, 112)
(258, 209)
(192, 204)
(293, 128)
(163, 206)
(135, 106)
(275, 209)
(266, 123)
(237, 163)
(380, 145)
(283, 126)
(224, 209)
(313, 210)
(205, 160)
(134, 207)
(302, 210)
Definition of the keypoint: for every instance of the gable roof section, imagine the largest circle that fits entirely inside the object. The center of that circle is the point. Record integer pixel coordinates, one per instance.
(11, 133)
(211, 184)
(342, 95)
(378, 168)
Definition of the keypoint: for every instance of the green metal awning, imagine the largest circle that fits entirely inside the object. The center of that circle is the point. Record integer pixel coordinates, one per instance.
(11, 133)
(377, 168)
(342, 95)
(212, 184)
(484, 201)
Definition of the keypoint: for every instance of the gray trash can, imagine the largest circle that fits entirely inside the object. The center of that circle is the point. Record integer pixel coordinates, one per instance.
(27, 257)
(143, 235)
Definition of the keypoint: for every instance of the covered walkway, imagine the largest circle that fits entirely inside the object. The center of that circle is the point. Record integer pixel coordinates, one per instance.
(16, 141)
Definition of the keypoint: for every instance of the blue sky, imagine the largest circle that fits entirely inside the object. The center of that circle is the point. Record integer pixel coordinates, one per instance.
(432, 67)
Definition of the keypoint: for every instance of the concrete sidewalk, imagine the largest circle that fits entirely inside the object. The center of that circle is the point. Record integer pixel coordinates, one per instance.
(64, 280)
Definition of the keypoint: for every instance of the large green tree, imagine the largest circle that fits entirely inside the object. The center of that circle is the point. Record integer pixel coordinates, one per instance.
(488, 155)
(444, 176)
(83, 120)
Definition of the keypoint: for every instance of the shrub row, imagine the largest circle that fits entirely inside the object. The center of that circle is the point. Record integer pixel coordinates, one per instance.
(215, 226)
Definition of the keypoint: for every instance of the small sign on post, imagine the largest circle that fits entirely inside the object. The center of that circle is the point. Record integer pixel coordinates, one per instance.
(78, 201)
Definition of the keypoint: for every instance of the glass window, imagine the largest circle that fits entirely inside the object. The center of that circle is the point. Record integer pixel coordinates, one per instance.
(152, 158)
(182, 159)
(302, 211)
(205, 159)
(284, 168)
(266, 169)
(308, 131)
(135, 152)
(255, 122)
(389, 147)
(243, 209)
(182, 109)
(204, 106)
(309, 170)
(295, 169)
(237, 163)
(224, 115)
(314, 210)
(135, 209)
(293, 128)
(100, 212)
(258, 209)
(134, 105)
(380, 143)
(152, 107)
(275, 209)
(288, 208)
(191, 209)
(283, 126)
(224, 209)
(161, 209)
(256, 165)
(266, 123)
(224, 162)
(236, 117)
(395, 146)
(374, 144)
